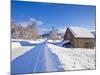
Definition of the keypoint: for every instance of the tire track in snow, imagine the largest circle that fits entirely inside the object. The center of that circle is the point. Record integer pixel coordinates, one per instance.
(37, 60)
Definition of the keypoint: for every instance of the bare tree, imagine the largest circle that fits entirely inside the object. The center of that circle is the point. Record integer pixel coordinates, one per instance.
(21, 32)
(54, 34)
(31, 31)
(14, 29)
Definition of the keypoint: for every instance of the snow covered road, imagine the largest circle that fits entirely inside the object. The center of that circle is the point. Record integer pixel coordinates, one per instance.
(38, 59)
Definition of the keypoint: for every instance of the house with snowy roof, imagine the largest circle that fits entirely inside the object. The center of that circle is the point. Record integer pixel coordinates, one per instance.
(79, 37)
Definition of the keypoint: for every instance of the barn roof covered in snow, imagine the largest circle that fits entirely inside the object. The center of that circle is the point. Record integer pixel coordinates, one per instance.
(81, 32)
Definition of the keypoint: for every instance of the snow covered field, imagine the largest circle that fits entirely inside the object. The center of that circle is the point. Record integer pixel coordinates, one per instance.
(70, 58)
(74, 58)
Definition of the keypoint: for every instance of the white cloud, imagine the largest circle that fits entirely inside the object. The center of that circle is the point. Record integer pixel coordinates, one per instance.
(25, 23)
(37, 21)
(32, 19)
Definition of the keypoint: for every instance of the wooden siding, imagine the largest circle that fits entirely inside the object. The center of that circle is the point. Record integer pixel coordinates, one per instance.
(78, 42)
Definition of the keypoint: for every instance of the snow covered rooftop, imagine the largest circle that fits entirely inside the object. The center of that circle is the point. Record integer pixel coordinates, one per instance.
(81, 32)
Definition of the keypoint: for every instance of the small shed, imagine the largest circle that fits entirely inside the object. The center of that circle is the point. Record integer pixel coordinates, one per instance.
(79, 37)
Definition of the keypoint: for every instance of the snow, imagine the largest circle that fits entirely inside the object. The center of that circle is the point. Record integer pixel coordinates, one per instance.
(55, 41)
(74, 58)
(15, 45)
(58, 42)
(18, 50)
(38, 59)
(30, 41)
(48, 55)
(81, 32)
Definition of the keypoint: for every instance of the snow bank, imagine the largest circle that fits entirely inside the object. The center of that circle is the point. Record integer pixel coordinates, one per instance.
(74, 58)
(18, 50)
(30, 41)
(54, 41)
(15, 45)
(36, 41)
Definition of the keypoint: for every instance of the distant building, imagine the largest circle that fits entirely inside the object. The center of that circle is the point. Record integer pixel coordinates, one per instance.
(79, 37)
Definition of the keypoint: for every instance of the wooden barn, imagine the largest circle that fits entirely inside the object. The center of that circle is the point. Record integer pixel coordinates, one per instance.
(79, 37)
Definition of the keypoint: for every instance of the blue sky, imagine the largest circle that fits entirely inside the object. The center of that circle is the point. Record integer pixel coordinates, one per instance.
(54, 15)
